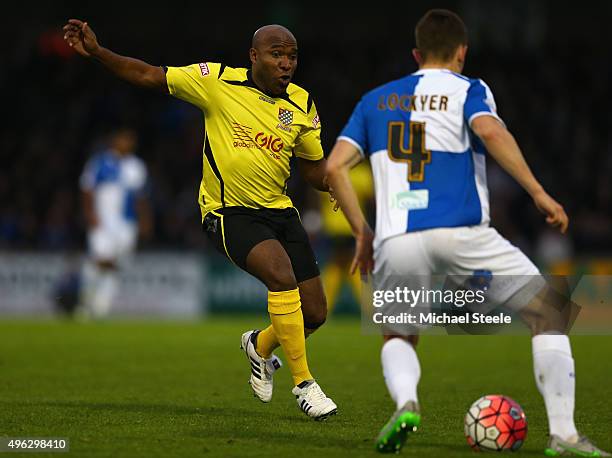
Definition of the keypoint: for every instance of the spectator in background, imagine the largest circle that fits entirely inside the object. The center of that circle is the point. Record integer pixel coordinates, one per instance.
(115, 208)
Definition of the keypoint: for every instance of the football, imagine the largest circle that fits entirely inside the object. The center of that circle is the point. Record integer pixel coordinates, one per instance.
(495, 422)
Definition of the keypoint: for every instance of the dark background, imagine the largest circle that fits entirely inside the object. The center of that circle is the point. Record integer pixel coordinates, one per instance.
(549, 66)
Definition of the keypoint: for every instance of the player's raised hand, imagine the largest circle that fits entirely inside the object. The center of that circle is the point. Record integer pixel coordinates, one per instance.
(555, 214)
(364, 252)
(80, 37)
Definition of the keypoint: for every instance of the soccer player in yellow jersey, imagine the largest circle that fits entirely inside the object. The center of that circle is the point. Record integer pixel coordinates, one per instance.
(256, 120)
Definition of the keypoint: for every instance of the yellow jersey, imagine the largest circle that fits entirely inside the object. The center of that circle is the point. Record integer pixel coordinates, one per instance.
(249, 136)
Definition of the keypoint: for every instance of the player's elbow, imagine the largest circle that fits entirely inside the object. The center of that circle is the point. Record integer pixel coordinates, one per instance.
(492, 136)
(488, 129)
(331, 170)
(154, 78)
(343, 157)
(334, 167)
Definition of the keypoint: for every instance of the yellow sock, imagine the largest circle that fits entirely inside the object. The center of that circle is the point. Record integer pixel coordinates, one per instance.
(266, 342)
(286, 316)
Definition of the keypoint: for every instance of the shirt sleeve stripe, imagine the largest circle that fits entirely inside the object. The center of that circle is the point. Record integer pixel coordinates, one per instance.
(485, 113)
(352, 142)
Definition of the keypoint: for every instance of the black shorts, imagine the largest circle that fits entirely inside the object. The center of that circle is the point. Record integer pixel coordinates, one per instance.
(234, 231)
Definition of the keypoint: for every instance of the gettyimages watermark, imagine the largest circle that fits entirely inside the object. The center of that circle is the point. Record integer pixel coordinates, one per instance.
(482, 303)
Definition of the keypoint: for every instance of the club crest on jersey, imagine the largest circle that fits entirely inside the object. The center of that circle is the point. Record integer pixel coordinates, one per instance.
(285, 116)
(204, 69)
(315, 122)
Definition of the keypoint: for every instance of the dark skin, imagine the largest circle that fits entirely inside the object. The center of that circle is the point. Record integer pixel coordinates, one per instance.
(273, 58)
(269, 262)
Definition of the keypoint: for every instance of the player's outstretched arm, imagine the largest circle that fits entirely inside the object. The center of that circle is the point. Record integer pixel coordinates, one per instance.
(503, 147)
(343, 157)
(83, 40)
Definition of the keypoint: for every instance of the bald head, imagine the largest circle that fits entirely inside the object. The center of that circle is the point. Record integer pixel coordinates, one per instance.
(273, 56)
(272, 33)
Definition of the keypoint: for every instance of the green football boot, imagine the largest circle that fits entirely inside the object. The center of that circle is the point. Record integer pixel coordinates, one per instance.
(583, 447)
(392, 437)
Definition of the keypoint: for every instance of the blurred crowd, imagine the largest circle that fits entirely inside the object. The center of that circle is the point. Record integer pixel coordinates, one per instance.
(538, 60)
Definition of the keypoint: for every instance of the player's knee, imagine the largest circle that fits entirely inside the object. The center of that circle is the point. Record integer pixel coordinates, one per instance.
(106, 265)
(313, 325)
(549, 312)
(281, 284)
(314, 322)
(272, 266)
(280, 281)
(540, 324)
(412, 339)
(277, 274)
(315, 317)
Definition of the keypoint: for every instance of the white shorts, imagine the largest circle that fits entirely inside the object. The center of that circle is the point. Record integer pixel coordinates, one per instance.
(457, 255)
(112, 243)
(452, 251)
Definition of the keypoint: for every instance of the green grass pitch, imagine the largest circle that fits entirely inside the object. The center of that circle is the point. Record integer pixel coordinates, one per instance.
(147, 389)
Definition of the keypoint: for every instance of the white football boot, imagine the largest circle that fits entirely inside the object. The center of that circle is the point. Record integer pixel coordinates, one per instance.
(313, 402)
(262, 369)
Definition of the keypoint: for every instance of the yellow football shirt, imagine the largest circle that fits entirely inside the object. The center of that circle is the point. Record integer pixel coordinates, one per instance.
(249, 136)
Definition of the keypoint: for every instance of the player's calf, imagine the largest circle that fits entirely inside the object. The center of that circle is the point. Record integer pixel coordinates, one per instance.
(314, 304)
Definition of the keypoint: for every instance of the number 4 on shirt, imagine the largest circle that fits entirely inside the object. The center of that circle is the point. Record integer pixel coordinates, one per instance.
(416, 155)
